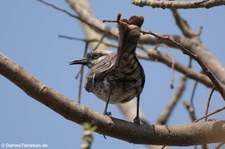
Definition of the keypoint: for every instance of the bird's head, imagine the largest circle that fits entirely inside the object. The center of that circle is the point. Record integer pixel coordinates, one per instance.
(92, 58)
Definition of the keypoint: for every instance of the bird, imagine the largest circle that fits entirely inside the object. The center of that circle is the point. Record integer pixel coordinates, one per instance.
(117, 77)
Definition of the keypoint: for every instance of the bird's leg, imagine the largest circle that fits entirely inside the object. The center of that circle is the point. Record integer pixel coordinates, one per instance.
(106, 106)
(137, 118)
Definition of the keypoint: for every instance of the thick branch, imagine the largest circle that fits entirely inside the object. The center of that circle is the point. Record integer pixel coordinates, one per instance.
(156, 55)
(184, 26)
(183, 135)
(88, 31)
(205, 56)
(179, 4)
(211, 66)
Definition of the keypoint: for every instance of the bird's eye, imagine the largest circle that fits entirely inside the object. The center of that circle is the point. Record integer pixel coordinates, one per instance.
(96, 55)
(93, 55)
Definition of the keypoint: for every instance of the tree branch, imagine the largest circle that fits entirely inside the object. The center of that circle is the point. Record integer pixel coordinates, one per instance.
(190, 110)
(183, 25)
(211, 66)
(205, 56)
(156, 55)
(95, 24)
(179, 4)
(183, 135)
(165, 115)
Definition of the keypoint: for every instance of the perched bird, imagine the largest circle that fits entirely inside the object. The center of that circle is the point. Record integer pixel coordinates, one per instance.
(117, 77)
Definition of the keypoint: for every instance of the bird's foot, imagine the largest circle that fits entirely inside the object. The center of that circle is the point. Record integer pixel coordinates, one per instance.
(107, 113)
(137, 120)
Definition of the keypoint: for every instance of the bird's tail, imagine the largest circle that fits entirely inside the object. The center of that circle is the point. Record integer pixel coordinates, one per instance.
(129, 34)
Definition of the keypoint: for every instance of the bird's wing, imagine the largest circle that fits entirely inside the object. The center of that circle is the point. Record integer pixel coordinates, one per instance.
(99, 71)
(103, 67)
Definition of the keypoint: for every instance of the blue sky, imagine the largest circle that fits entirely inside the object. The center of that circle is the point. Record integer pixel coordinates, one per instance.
(29, 36)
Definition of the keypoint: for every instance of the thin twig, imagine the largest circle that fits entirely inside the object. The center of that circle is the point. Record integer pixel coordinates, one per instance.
(193, 94)
(100, 41)
(190, 62)
(81, 68)
(204, 146)
(81, 83)
(163, 118)
(190, 110)
(62, 10)
(216, 111)
(75, 38)
(81, 72)
(219, 145)
(172, 71)
(172, 65)
(95, 26)
(109, 44)
(208, 103)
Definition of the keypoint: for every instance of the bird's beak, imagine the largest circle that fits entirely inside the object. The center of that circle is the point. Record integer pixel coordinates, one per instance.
(79, 61)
